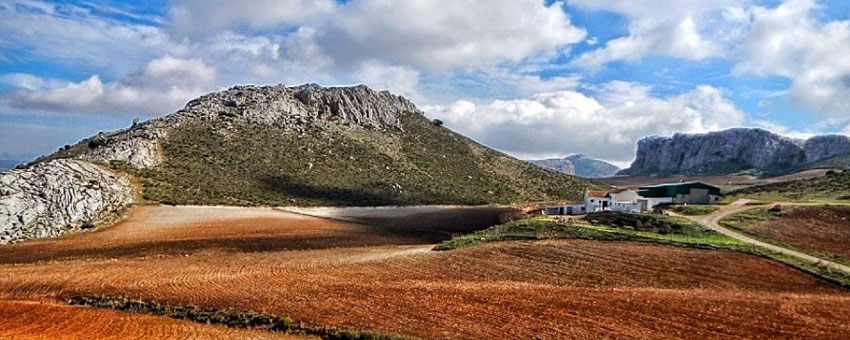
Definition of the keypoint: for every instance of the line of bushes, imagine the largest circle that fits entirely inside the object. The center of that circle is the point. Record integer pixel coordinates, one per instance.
(229, 318)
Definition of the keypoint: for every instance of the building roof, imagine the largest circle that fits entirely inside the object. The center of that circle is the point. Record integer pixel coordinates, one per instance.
(595, 193)
(671, 189)
(692, 183)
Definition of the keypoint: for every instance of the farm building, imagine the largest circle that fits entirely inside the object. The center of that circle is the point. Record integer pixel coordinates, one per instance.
(596, 200)
(644, 199)
(682, 193)
(573, 209)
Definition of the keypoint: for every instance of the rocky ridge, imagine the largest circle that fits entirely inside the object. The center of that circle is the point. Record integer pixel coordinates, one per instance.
(819, 148)
(57, 197)
(730, 151)
(579, 165)
(294, 109)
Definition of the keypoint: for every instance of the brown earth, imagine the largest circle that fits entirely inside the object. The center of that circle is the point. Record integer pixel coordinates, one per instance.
(548, 289)
(821, 228)
(49, 320)
(152, 231)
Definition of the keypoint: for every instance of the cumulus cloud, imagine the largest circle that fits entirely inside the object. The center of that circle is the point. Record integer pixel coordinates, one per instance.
(66, 34)
(606, 124)
(161, 86)
(664, 28)
(787, 41)
(195, 17)
(441, 34)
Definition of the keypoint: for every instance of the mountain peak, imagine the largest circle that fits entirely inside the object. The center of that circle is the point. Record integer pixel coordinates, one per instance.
(580, 165)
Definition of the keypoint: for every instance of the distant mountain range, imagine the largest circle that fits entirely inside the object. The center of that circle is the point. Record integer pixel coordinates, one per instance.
(736, 150)
(579, 165)
(8, 161)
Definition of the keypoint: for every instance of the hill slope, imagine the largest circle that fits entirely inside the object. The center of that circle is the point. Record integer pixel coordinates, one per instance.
(309, 145)
(834, 185)
(579, 165)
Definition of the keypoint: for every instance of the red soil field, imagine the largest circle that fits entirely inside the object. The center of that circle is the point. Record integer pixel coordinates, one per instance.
(821, 228)
(152, 231)
(46, 320)
(547, 289)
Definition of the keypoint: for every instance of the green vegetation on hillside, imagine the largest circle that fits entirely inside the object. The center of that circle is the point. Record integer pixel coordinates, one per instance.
(835, 185)
(836, 162)
(208, 162)
(608, 226)
(692, 209)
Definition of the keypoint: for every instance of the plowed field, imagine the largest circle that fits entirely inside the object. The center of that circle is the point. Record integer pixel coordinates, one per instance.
(46, 320)
(821, 228)
(544, 289)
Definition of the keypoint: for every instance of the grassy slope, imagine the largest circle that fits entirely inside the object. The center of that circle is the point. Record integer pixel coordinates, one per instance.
(246, 164)
(833, 186)
(686, 234)
(837, 162)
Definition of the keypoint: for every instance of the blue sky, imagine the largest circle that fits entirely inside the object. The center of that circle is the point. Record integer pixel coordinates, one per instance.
(531, 78)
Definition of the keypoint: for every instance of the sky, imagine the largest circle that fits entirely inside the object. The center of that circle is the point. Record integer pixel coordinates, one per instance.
(535, 79)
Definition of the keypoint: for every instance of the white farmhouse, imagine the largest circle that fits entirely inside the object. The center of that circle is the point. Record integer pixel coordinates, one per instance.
(646, 198)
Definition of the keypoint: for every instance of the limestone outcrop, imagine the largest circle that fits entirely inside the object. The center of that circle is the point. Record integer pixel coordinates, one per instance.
(57, 197)
(730, 151)
(822, 147)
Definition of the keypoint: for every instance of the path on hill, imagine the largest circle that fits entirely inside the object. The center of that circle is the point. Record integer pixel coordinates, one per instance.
(712, 221)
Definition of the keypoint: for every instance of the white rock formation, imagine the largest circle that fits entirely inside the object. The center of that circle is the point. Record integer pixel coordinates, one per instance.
(58, 197)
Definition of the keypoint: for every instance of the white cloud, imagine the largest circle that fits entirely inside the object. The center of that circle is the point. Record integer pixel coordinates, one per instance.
(160, 87)
(786, 41)
(606, 125)
(664, 28)
(783, 130)
(69, 35)
(403, 80)
(196, 17)
(442, 34)
(28, 81)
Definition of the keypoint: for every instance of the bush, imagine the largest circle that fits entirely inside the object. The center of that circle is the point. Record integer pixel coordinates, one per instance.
(636, 221)
(437, 122)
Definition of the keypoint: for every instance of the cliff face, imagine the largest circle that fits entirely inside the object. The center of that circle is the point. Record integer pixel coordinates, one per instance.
(822, 147)
(733, 150)
(725, 151)
(579, 165)
(59, 196)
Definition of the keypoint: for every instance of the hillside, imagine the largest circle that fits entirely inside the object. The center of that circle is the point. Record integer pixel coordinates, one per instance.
(835, 185)
(579, 165)
(277, 145)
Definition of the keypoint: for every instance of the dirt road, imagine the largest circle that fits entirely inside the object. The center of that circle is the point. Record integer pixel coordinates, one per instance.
(712, 221)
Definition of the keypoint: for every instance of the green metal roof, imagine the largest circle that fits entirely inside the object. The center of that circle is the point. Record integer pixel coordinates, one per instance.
(673, 189)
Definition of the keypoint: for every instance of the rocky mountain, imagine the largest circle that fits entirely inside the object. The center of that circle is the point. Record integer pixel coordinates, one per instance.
(579, 165)
(271, 145)
(731, 151)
